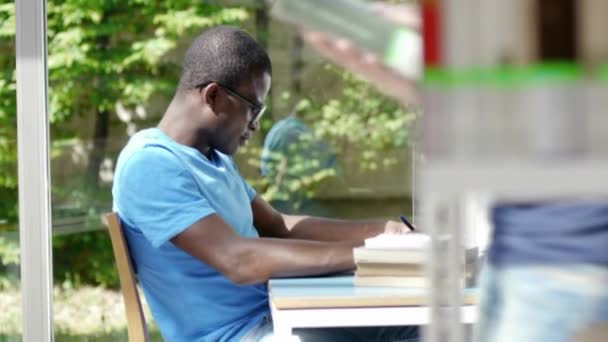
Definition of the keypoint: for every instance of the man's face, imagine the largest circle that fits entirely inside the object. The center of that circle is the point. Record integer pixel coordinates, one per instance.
(243, 111)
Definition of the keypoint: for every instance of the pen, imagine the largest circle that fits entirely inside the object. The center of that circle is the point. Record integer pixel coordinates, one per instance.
(407, 223)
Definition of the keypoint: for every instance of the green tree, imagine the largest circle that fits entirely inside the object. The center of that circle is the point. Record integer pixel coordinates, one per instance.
(8, 151)
(101, 54)
(359, 126)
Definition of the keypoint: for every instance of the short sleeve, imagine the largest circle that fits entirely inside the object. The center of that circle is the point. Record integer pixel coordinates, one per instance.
(250, 191)
(155, 193)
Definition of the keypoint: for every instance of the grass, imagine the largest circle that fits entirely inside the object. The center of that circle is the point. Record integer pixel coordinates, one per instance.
(91, 314)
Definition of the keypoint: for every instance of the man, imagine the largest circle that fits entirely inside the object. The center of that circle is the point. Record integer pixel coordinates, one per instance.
(547, 265)
(203, 243)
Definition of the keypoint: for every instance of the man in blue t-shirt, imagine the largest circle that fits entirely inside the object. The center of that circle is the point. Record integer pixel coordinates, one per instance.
(203, 243)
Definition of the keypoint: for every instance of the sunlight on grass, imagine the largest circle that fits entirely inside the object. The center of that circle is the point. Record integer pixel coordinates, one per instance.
(79, 314)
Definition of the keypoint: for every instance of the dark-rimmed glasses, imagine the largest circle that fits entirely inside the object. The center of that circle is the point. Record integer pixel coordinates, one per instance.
(256, 108)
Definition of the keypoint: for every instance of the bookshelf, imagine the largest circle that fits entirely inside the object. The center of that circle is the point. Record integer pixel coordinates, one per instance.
(503, 120)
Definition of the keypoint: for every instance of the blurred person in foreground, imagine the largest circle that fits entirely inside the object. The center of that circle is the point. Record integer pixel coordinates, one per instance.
(546, 275)
(204, 244)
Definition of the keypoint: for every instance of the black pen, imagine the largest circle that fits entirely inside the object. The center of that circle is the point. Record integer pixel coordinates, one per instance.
(407, 223)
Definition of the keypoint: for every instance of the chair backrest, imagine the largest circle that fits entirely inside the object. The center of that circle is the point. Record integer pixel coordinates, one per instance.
(136, 322)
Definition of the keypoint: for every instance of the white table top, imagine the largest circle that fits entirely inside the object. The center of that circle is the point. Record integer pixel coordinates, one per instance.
(340, 292)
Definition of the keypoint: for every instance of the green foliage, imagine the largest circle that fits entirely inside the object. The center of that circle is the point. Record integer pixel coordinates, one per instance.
(8, 147)
(9, 252)
(93, 314)
(100, 53)
(9, 262)
(84, 258)
(108, 52)
(360, 125)
(294, 164)
(78, 259)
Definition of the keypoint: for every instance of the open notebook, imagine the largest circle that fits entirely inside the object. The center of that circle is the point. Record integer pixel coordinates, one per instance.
(399, 241)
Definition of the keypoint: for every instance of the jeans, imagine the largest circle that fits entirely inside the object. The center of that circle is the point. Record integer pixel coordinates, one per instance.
(540, 303)
(263, 333)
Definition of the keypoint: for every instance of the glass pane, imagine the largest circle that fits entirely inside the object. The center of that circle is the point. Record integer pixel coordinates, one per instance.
(331, 144)
(114, 68)
(10, 295)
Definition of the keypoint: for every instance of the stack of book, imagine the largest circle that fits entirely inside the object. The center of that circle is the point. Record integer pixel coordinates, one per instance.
(399, 261)
(392, 260)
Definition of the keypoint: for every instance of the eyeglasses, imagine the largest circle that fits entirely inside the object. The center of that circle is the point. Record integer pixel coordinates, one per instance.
(256, 108)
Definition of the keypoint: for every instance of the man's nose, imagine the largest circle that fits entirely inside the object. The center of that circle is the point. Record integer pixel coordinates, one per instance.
(254, 125)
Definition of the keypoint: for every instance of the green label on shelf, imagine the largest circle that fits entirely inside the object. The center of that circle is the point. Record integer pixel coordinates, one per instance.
(508, 77)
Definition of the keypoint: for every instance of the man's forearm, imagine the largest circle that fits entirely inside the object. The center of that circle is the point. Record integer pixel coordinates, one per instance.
(264, 258)
(325, 229)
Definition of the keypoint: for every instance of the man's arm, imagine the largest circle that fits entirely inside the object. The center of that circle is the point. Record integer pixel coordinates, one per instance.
(271, 223)
(252, 260)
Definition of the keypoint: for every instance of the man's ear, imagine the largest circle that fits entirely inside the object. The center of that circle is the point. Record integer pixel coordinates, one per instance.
(209, 94)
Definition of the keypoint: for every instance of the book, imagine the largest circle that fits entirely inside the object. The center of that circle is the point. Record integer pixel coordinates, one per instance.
(388, 256)
(388, 269)
(391, 281)
(393, 248)
(398, 241)
(395, 281)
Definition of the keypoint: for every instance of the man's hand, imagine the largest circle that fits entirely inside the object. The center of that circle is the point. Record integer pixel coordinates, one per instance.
(394, 227)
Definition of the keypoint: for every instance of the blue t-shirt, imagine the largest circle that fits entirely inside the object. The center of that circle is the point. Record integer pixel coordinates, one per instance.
(160, 189)
(562, 232)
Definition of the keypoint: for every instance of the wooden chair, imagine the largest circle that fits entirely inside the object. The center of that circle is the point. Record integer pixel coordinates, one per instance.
(136, 322)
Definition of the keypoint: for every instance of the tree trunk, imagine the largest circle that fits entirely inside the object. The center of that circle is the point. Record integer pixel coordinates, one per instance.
(262, 33)
(297, 64)
(100, 137)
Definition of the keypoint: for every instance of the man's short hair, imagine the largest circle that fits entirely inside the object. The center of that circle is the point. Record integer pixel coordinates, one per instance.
(223, 54)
